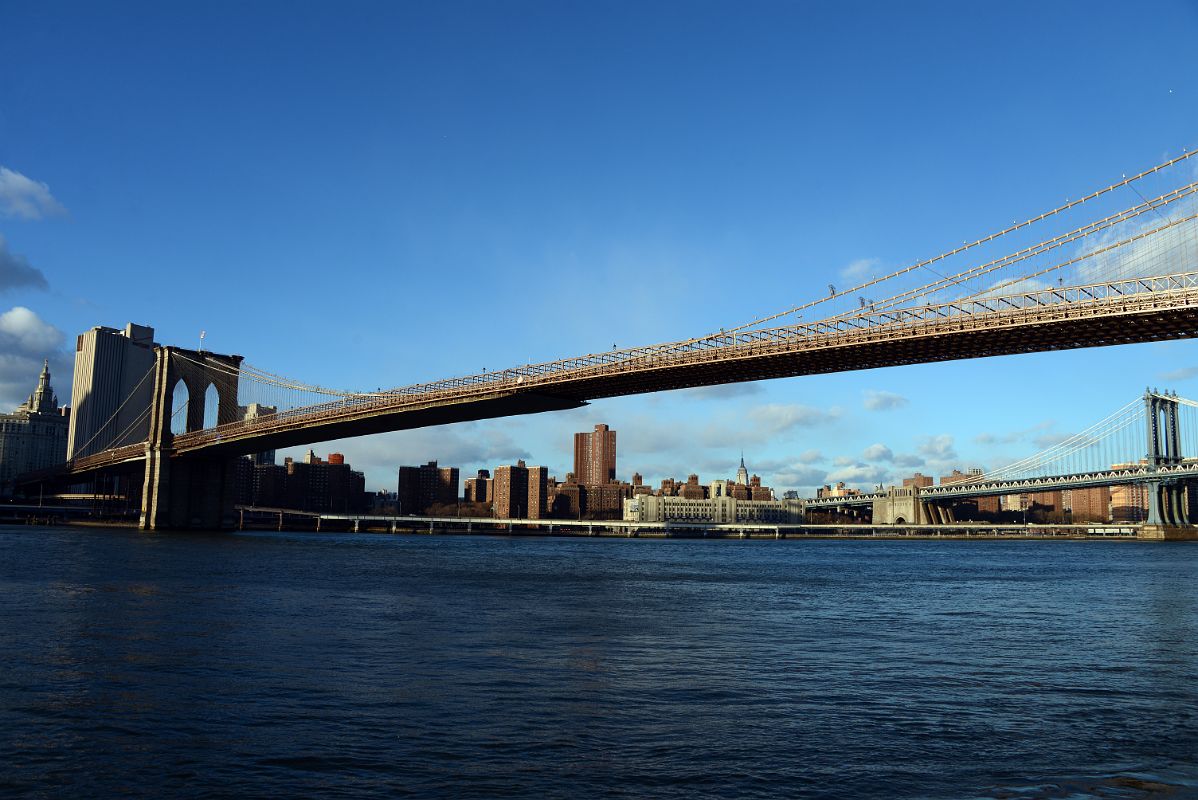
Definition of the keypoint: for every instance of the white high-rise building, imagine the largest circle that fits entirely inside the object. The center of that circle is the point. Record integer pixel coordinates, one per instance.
(112, 390)
(742, 474)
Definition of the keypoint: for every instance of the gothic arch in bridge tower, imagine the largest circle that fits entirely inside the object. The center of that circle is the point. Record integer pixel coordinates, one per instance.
(178, 402)
(212, 406)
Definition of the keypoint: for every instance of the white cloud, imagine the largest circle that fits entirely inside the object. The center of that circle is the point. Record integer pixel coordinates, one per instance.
(723, 391)
(1183, 374)
(876, 400)
(938, 448)
(1047, 440)
(25, 340)
(810, 456)
(775, 418)
(1011, 437)
(861, 475)
(21, 330)
(25, 198)
(860, 270)
(16, 271)
(878, 452)
(797, 477)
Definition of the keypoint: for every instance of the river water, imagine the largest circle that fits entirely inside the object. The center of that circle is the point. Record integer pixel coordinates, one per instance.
(359, 665)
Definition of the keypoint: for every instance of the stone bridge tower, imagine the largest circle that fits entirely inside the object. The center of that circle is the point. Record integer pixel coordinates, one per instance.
(192, 491)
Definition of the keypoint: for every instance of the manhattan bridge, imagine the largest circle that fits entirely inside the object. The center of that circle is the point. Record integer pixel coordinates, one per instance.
(1116, 265)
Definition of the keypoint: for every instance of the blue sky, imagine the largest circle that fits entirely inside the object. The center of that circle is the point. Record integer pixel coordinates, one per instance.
(374, 194)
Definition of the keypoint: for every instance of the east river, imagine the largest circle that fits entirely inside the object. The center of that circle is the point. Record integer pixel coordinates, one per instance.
(345, 665)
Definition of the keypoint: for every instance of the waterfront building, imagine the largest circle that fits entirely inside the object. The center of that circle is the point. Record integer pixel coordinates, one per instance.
(479, 488)
(112, 389)
(313, 484)
(597, 501)
(268, 483)
(918, 480)
(1048, 501)
(1129, 503)
(511, 491)
(383, 503)
(566, 501)
(713, 510)
(538, 495)
(1089, 505)
(595, 456)
(34, 435)
(425, 486)
(606, 501)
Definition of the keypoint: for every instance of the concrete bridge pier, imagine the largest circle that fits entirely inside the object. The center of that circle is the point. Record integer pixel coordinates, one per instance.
(188, 493)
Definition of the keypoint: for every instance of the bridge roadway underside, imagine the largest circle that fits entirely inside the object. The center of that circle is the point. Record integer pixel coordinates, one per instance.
(507, 405)
(1065, 334)
(770, 361)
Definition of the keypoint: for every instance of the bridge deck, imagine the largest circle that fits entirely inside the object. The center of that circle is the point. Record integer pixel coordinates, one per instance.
(1121, 312)
(1104, 314)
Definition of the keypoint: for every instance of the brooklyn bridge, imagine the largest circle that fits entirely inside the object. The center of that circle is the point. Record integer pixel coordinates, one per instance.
(1117, 265)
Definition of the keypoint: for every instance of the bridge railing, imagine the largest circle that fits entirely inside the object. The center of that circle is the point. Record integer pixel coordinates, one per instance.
(1045, 304)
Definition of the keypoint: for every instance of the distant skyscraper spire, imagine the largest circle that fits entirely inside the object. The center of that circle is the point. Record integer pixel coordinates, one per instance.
(742, 474)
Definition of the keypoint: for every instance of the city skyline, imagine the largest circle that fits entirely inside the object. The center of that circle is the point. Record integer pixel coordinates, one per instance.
(499, 239)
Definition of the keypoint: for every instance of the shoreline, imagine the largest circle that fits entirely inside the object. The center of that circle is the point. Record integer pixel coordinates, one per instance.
(979, 535)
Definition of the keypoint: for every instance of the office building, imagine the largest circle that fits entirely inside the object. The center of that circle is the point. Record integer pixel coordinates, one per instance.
(112, 389)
